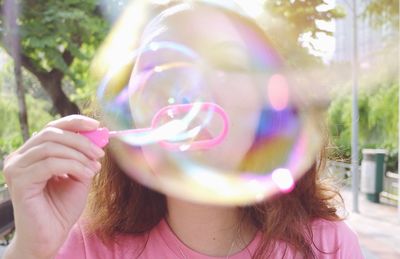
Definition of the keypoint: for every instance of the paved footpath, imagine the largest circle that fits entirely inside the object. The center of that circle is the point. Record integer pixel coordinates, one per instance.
(377, 226)
(2, 248)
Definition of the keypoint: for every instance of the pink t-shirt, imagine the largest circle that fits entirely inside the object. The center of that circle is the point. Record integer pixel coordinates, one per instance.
(334, 237)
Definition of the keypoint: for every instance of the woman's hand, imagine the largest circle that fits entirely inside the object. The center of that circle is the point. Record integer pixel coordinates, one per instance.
(49, 179)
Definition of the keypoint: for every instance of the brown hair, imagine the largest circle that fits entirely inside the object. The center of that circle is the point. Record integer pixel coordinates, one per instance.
(120, 205)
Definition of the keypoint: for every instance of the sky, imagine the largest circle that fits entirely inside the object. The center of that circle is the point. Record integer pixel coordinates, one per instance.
(324, 43)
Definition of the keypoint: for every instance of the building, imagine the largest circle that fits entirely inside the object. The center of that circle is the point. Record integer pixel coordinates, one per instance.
(370, 40)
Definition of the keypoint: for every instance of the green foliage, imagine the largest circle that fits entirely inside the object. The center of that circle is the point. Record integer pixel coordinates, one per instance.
(378, 121)
(339, 123)
(296, 21)
(38, 105)
(2, 182)
(10, 136)
(383, 12)
(50, 29)
(58, 39)
(302, 15)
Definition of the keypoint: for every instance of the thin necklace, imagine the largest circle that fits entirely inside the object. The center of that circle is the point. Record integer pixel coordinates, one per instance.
(227, 255)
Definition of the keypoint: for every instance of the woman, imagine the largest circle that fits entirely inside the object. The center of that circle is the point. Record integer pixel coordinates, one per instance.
(51, 174)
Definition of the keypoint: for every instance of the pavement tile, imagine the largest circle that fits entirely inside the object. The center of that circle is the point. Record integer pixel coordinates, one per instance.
(377, 226)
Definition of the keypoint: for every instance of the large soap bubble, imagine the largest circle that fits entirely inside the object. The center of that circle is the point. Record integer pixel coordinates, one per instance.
(200, 103)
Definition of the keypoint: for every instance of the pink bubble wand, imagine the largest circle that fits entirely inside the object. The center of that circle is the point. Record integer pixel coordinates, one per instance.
(171, 134)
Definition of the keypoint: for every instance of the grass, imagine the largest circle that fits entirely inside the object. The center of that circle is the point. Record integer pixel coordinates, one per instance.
(2, 182)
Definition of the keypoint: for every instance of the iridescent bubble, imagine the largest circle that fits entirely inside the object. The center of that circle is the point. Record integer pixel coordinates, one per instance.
(201, 105)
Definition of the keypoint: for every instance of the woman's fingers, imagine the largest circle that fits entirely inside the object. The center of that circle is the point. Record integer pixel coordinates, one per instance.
(53, 149)
(49, 179)
(40, 172)
(63, 137)
(75, 123)
(70, 124)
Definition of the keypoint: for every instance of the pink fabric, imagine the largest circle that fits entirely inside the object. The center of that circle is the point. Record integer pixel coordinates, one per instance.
(333, 237)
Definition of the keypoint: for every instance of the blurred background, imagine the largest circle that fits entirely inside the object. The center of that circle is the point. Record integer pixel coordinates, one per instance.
(44, 74)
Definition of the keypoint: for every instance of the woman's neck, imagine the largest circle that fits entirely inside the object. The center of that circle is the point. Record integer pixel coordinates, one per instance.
(210, 230)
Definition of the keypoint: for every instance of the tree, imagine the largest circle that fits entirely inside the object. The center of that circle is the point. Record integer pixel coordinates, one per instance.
(383, 12)
(14, 46)
(300, 18)
(39, 106)
(57, 40)
(378, 120)
(301, 15)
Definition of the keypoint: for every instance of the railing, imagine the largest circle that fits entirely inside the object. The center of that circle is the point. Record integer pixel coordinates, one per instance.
(4, 194)
(342, 171)
(6, 214)
(390, 188)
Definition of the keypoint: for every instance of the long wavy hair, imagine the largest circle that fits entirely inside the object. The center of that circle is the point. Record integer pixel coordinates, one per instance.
(120, 205)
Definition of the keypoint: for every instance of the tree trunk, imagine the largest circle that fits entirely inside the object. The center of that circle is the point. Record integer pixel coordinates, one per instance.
(13, 41)
(22, 114)
(52, 83)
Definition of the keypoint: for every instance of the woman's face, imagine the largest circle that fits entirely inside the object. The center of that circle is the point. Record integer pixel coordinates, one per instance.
(230, 49)
(196, 54)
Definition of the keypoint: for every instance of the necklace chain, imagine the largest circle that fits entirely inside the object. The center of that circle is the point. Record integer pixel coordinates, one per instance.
(226, 257)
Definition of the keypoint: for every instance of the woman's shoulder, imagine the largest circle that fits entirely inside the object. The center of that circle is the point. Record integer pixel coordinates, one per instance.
(337, 229)
(335, 239)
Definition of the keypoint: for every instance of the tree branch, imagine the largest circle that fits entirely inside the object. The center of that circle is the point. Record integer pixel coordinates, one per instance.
(28, 65)
(68, 58)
